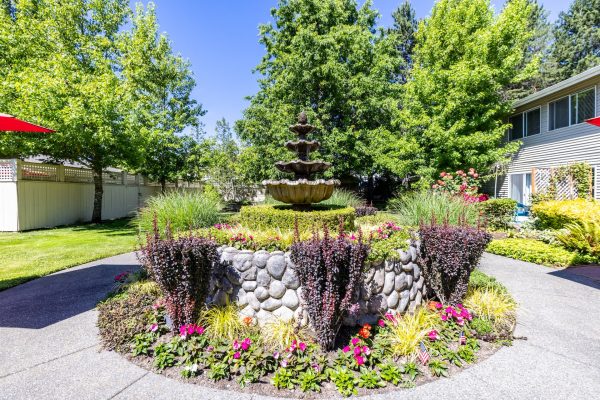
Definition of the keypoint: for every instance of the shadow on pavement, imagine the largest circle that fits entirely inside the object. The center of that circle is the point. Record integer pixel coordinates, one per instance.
(53, 298)
(588, 275)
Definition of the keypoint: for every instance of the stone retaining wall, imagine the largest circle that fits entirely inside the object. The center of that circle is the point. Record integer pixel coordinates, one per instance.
(265, 285)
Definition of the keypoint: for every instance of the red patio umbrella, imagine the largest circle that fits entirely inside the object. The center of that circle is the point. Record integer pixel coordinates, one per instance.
(10, 123)
(593, 121)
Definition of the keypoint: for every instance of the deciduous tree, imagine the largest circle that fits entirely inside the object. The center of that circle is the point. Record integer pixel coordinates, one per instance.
(464, 57)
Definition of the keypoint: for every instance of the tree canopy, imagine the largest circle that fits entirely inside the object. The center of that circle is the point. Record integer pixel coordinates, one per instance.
(577, 38)
(328, 59)
(464, 57)
(107, 84)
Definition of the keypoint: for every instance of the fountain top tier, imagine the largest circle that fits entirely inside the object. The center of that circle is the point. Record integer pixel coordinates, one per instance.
(302, 191)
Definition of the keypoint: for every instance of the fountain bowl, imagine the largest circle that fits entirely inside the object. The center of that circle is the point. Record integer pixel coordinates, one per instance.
(301, 191)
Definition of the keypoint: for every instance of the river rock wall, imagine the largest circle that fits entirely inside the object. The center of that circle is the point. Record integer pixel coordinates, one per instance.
(265, 285)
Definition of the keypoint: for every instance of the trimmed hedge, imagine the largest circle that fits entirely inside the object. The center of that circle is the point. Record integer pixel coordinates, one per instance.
(284, 217)
(538, 252)
(558, 213)
(498, 213)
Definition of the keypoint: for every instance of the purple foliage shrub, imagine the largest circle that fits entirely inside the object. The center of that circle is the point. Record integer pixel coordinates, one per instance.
(181, 267)
(329, 270)
(362, 211)
(448, 255)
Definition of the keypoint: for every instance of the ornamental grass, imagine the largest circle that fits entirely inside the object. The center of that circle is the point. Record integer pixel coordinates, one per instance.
(406, 332)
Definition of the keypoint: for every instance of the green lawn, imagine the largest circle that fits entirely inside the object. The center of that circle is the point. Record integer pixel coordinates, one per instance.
(29, 255)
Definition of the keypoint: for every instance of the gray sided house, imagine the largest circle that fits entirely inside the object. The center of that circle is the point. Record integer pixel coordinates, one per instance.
(551, 125)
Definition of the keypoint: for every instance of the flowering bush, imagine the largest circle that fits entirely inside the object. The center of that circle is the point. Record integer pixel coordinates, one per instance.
(181, 268)
(448, 255)
(329, 269)
(461, 183)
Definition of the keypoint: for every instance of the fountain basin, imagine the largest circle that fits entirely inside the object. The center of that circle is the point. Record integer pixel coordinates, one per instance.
(301, 191)
(302, 168)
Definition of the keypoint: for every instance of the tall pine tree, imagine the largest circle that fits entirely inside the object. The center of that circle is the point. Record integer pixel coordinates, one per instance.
(403, 33)
(577, 39)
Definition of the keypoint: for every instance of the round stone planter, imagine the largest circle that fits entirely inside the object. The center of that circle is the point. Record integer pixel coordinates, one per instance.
(264, 284)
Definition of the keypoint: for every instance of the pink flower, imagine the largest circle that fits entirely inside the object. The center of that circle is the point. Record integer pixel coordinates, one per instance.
(276, 355)
(346, 349)
(236, 345)
(316, 367)
(366, 350)
(357, 351)
(191, 329)
(199, 330)
(237, 355)
(460, 321)
(245, 346)
(154, 328)
(284, 363)
(433, 335)
(438, 305)
(355, 341)
(381, 323)
(444, 317)
(209, 348)
(302, 346)
(449, 310)
(183, 331)
(359, 360)
(443, 174)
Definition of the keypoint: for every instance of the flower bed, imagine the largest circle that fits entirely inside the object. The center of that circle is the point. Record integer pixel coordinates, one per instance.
(334, 312)
(396, 351)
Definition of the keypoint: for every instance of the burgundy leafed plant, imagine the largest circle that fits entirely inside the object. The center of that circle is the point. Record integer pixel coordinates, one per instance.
(448, 254)
(181, 267)
(329, 270)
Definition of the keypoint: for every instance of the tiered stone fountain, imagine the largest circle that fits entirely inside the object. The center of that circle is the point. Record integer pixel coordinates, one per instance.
(302, 191)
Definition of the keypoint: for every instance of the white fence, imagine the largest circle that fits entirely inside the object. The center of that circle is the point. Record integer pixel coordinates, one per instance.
(34, 195)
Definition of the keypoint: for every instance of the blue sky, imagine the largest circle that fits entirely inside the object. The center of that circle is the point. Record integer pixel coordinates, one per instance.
(220, 38)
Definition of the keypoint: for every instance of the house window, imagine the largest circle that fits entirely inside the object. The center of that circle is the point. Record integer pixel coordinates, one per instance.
(524, 124)
(558, 112)
(520, 188)
(516, 132)
(582, 106)
(532, 122)
(571, 110)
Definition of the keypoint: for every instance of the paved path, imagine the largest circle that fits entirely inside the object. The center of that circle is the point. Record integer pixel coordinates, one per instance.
(49, 344)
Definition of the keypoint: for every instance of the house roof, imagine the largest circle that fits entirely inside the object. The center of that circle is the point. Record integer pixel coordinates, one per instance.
(585, 75)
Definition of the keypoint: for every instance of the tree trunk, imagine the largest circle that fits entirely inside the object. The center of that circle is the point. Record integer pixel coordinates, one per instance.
(98, 193)
(370, 189)
(163, 185)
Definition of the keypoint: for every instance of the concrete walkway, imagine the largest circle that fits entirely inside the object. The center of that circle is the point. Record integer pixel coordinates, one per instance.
(49, 344)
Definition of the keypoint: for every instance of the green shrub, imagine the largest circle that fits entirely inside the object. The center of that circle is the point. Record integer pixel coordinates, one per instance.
(481, 326)
(343, 198)
(422, 207)
(534, 251)
(557, 214)
(283, 217)
(182, 210)
(498, 213)
(479, 280)
(583, 237)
